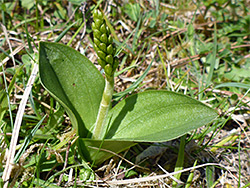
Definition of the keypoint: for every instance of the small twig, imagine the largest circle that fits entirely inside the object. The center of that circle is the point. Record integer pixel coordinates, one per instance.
(242, 128)
(65, 163)
(8, 41)
(172, 177)
(7, 134)
(83, 9)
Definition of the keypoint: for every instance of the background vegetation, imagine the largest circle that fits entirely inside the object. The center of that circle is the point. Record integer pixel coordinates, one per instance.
(199, 48)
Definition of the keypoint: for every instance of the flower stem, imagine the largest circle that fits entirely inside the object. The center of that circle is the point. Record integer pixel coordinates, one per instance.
(99, 129)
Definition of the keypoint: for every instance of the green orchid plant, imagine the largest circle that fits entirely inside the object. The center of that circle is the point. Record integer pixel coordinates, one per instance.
(86, 95)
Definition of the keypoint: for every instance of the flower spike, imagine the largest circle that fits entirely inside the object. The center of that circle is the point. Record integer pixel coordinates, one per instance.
(103, 44)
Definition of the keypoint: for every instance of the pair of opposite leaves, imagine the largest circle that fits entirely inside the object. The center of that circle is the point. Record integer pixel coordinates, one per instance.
(150, 116)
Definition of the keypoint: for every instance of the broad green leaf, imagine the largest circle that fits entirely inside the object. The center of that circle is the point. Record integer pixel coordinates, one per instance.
(98, 151)
(157, 116)
(150, 116)
(72, 80)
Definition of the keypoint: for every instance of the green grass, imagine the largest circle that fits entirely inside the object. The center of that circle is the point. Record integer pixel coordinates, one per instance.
(201, 50)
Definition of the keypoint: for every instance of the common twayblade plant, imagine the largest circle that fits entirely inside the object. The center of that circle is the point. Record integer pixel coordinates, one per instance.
(86, 95)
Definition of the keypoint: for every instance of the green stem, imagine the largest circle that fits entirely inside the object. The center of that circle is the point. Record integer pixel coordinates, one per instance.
(99, 131)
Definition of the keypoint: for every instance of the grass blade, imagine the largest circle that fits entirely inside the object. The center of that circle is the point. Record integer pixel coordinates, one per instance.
(213, 59)
(180, 160)
(64, 32)
(210, 176)
(233, 84)
(118, 96)
(190, 176)
(27, 140)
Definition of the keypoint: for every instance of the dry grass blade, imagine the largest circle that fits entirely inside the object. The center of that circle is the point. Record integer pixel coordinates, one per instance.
(17, 125)
(118, 156)
(8, 41)
(18, 49)
(158, 177)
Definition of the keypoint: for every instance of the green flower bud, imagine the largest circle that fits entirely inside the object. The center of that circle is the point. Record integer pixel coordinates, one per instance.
(99, 15)
(110, 39)
(95, 13)
(96, 47)
(101, 62)
(108, 30)
(103, 47)
(108, 70)
(103, 28)
(110, 49)
(98, 23)
(104, 38)
(93, 26)
(101, 54)
(109, 59)
(96, 41)
(97, 33)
